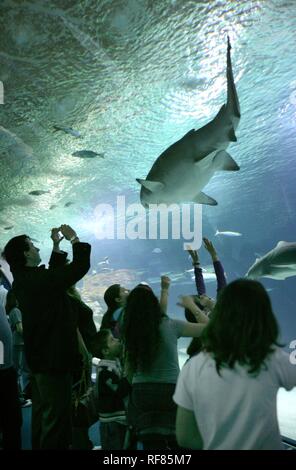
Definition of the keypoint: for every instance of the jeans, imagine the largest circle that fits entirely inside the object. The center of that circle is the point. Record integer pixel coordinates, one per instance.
(112, 436)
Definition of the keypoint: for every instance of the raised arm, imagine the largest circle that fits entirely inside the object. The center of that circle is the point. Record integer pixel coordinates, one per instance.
(58, 257)
(66, 275)
(187, 301)
(219, 271)
(164, 293)
(199, 281)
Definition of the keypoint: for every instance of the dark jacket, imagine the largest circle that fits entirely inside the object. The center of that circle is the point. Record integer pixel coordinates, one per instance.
(49, 320)
(112, 389)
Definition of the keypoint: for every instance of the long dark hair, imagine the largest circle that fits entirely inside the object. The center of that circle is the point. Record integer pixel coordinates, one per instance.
(110, 295)
(243, 328)
(141, 332)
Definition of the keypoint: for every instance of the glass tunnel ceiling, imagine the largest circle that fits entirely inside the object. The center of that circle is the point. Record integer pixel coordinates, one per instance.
(133, 77)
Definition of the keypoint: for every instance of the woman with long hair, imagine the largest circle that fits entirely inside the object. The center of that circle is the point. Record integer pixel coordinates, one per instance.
(227, 393)
(150, 343)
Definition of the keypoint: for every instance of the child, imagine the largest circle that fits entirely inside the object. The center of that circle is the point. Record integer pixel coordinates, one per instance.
(112, 389)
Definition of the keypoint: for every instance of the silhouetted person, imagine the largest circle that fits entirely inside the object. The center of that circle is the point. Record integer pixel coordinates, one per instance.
(50, 324)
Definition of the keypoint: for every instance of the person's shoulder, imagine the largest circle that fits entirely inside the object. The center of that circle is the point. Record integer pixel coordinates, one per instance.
(168, 322)
(199, 360)
(278, 356)
(15, 312)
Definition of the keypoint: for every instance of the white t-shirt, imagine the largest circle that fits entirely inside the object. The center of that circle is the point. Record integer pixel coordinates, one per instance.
(235, 410)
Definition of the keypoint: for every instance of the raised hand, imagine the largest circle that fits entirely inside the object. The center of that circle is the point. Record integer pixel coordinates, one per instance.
(194, 255)
(67, 231)
(210, 248)
(55, 236)
(165, 282)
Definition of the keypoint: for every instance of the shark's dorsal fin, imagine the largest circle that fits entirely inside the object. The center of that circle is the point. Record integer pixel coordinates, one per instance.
(223, 161)
(202, 198)
(152, 186)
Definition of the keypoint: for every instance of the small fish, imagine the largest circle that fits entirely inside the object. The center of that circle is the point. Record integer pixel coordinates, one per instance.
(68, 130)
(208, 277)
(34, 240)
(9, 228)
(87, 154)
(228, 234)
(53, 206)
(94, 271)
(205, 270)
(104, 261)
(38, 192)
(153, 280)
(68, 204)
(209, 268)
(176, 277)
(157, 250)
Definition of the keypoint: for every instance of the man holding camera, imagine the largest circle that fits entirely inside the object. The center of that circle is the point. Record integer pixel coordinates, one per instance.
(50, 322)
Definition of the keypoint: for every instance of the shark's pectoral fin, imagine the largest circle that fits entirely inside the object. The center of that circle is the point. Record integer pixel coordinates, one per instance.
(202, 198)
(153, 186)
(223, 161)
(276, 273)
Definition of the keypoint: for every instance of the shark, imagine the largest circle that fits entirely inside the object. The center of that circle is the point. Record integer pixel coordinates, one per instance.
(279, 263)
(181, 172)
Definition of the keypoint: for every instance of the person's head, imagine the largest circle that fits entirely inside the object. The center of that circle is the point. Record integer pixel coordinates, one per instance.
(141, 333)
(20, 252)
(243, 328)
(11, 301)
(115, 296)
(106, 346)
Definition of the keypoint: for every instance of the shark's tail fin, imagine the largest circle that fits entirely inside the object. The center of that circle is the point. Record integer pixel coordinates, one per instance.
(232, 98)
